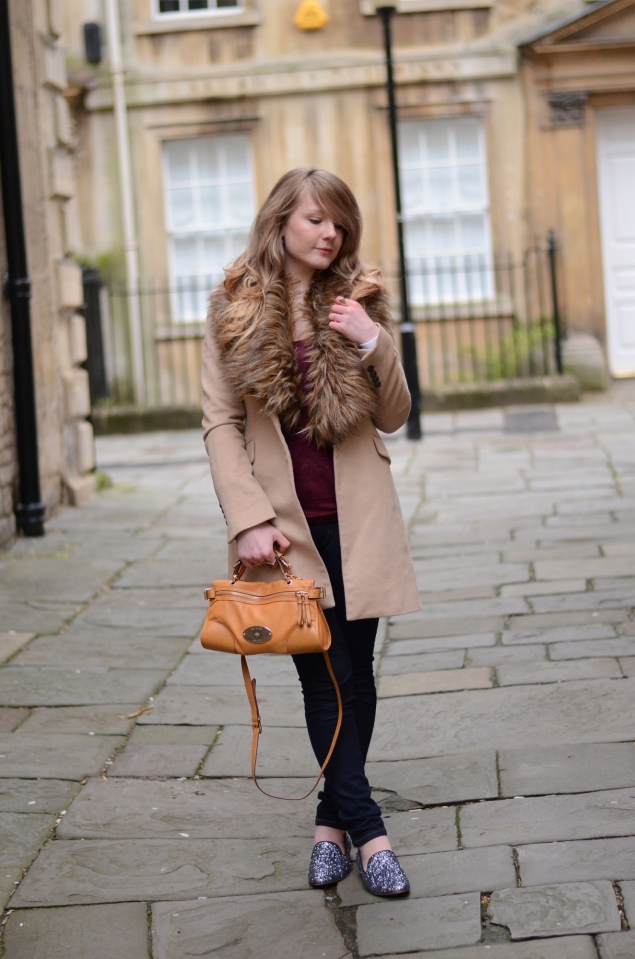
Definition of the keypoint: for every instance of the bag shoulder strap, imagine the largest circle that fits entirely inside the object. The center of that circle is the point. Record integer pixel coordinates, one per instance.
(256, 724)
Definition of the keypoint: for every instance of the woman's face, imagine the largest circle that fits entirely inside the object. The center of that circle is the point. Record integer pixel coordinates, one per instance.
(312, 240)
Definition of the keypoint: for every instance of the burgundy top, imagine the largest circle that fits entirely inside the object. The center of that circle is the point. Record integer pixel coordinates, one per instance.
(313, 469)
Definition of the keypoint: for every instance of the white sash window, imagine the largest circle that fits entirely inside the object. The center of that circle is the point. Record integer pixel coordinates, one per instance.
(209, 201)
(445, 204)
(180, 7)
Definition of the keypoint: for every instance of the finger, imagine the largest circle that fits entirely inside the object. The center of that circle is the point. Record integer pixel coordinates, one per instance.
(282, 542)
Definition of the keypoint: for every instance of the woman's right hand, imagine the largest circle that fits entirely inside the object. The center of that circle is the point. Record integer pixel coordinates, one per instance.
(256, 544)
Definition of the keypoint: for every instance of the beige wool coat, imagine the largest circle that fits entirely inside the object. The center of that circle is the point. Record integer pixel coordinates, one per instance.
(253, 478)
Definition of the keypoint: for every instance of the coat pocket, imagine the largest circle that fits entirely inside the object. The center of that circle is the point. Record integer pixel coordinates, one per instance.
(380, 447)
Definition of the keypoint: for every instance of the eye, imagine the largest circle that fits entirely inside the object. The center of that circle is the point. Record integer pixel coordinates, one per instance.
(313, 219)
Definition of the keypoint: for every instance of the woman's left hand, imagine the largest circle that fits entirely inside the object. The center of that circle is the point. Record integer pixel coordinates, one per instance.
(350, 319)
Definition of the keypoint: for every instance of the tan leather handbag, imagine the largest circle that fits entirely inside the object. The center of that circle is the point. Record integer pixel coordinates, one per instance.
(283, 616)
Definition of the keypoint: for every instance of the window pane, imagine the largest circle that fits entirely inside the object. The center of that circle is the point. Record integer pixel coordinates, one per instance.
(208, 156)
(440, 193)
(212, 207)
(215, 253)
(409, 143)
(185, 256)
(226, 3)
(237, 155)
(237, 243)
(438, 140)
(240, 205)
(467, 139)
(178, 161)
(473, 233)
(470, 185)
(443, 237)
(182, 213)
(168, 6)
(415, 236)
(198, 5)
(412, 188)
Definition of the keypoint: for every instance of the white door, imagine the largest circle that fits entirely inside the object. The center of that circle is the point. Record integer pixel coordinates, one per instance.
(616, 173)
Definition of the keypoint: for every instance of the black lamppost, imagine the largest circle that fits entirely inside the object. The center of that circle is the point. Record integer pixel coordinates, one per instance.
(408, 340)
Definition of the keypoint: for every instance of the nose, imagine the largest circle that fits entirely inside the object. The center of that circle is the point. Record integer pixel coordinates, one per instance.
(328, 230)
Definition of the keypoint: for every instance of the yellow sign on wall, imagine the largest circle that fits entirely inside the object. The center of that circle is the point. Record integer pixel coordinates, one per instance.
(310, 15)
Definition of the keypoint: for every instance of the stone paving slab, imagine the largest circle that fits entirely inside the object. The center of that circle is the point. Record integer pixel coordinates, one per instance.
(88, 649)
(414, 646)
(549, 818)
(416, 626)
(627, 665)
(284, 925)
(36, 616)
(36, 795)
(585, 711)
(98, 719)
(443, 874)
(437, 681)
(574, 947)
(282, 751)
(540, 770)
(583, 568)
(580, 617)
(10, 718)
(157, 573)
(49, 756)
(443, 779)
(567, 908)
(595, 600)
(628, 892)
(11, 642)
(558, 634)
(440, 922)
(21, 835)
(221, 669)
(499, 655)
(578, 860)
(447, 659)
(515, 674)
(78, 932)
(158, 760)
(422, 831)
(622, 646)
(139, 870)
(67, 686)
(616, 945)
(544, 587)
(204, 809)
(492, 574)
(48, 578)
(173, 735)
(203, 706)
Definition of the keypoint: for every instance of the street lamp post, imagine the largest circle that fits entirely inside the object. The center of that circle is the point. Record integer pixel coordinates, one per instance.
(407, 330)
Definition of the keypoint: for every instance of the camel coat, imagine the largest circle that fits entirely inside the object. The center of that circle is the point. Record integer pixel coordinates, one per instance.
(253, 478)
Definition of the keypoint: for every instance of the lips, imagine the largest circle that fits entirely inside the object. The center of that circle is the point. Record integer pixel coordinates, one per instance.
(322, 249)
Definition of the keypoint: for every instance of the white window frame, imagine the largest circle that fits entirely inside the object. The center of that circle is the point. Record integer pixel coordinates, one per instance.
(212, 11)
(464, 275)
(189, 302)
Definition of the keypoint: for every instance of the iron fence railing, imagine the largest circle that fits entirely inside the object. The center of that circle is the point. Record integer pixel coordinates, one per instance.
(476, 319)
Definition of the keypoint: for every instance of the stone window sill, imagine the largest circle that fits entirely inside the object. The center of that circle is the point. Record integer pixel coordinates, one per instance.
(214, 21)
(367, 7)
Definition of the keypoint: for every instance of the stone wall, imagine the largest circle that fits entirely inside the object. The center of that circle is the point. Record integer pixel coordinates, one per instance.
(47, 167)
(7, 439)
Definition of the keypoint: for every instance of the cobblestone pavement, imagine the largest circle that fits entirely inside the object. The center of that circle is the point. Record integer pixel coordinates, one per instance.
(503, 756)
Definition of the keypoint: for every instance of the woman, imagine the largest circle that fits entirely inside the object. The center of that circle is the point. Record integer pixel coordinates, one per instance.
(300, 370)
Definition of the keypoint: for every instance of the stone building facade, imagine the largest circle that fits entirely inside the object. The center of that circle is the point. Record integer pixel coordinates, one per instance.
(47, 167)
(222, 100)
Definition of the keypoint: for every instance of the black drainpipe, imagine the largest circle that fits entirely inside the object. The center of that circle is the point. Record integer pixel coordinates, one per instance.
(30, 511)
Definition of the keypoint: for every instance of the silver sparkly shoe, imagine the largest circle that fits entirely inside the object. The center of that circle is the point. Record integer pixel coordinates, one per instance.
(328, 864)
(383, 875)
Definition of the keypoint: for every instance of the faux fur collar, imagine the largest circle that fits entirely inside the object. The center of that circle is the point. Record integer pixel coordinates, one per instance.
(263, 365)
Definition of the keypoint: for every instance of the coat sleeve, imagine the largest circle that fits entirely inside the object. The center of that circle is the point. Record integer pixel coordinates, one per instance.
(382, 364)
(242, 500)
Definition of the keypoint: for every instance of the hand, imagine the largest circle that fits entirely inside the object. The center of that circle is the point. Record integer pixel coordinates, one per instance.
(256, 544)
(350, 319)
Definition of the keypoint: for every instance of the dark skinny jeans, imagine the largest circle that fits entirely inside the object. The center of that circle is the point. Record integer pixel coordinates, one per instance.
(345, 802)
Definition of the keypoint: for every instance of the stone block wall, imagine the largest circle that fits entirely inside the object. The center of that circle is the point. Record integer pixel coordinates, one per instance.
(47, 168)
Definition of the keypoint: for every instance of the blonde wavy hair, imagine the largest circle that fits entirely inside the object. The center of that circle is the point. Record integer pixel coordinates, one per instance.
(255, 282)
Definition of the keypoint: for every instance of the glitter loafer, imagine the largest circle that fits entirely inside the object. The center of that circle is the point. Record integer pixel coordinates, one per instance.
(383, 875)
(328, 864)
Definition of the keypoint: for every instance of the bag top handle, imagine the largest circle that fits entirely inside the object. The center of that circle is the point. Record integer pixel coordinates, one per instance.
(283, 564)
